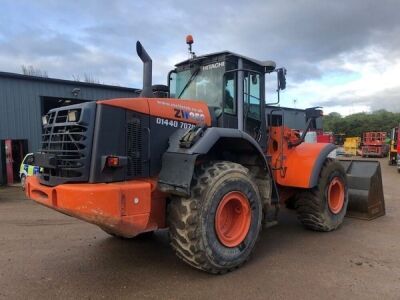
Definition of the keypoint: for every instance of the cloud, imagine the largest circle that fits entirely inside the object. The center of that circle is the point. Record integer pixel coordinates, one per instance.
(321, 43)
(373, 86)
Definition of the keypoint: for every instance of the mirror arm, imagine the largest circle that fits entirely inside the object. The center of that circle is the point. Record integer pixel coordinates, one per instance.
(277, 90)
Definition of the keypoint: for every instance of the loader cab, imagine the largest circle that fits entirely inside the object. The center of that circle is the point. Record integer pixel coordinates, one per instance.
(233, 87)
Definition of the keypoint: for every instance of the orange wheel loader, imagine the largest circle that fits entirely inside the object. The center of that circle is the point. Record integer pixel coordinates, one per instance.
(203, 162)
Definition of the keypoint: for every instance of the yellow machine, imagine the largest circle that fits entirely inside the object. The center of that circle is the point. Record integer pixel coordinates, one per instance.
(351, 145)
(394, 133)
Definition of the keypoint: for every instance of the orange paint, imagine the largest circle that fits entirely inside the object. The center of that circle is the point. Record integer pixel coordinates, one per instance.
(336, 195)
(295, 169)
(195, 112)
(125, 208)
(136, 104)
(232, 219)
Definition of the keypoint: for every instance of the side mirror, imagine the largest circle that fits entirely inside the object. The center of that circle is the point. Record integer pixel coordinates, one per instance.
(254, 79)
(314, 112)
(281, 73)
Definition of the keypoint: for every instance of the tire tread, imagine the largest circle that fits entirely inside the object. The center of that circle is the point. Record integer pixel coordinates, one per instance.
(184, 218)
(310, 210)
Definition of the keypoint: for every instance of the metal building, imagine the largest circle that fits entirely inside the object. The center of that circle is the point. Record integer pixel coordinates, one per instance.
(294, 118)
(24, 99)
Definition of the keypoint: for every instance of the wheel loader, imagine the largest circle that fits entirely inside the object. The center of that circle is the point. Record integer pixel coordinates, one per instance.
(205, 162)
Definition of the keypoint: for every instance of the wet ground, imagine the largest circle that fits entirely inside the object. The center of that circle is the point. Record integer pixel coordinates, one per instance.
(46, 255)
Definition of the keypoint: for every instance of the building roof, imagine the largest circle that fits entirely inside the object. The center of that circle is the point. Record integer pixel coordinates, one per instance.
(64, 81)
(285, 108)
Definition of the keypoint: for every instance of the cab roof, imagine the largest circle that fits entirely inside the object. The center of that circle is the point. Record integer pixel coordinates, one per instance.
(269, 65)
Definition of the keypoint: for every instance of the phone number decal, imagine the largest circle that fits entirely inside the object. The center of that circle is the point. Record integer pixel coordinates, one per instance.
(173, 123)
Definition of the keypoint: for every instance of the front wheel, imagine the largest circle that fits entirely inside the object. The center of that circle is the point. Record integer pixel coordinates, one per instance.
(23, 182)
(323, 207)
(216, 229)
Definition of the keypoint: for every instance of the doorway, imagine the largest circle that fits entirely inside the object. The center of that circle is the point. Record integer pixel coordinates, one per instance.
(15, 151)
(49, 103)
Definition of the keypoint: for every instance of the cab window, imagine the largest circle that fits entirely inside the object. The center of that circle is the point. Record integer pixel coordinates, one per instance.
(229, 94)
(252, 101)
(29, 160)
(203, 83)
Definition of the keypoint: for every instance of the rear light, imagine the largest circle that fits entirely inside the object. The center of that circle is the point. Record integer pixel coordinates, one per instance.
(112, 161)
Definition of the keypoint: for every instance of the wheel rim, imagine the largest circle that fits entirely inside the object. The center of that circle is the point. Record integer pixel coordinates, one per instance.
(336, 195)
(232, 219)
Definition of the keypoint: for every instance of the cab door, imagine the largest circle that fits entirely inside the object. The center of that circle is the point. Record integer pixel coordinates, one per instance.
(252, 105)
(252, 100)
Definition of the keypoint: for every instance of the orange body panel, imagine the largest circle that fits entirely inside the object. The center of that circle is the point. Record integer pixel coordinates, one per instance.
(140, 105)
(125, 208)
(191, 111)
(292, 166)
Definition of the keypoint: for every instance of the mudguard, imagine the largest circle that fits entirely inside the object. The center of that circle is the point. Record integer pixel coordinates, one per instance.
(178, 162)
(302, 164)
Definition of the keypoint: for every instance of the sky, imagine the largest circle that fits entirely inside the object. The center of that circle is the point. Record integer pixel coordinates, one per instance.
(341, 55)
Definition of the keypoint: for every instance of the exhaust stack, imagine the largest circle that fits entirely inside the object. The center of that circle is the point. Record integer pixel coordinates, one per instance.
(147, 90)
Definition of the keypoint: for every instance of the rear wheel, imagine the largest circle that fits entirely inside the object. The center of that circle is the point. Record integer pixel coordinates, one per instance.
(323, 208)
(215, 229)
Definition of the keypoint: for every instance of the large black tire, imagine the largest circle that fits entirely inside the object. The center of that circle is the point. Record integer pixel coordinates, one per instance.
(313, 209)
(192, 221)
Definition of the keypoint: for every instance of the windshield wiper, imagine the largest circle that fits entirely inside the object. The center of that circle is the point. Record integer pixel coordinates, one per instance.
(189, 81)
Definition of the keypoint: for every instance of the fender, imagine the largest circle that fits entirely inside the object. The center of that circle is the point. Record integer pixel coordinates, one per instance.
(303, 165)
(178, 163)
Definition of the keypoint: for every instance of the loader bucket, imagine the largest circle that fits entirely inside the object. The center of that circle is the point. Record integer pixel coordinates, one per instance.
(366, 200)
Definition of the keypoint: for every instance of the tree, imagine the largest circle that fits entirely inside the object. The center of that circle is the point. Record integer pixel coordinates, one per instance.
(90, 78)
(87, 77)
(356, 124)
(32, 71)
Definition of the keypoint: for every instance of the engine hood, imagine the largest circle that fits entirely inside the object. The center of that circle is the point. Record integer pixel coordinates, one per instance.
(191, 111)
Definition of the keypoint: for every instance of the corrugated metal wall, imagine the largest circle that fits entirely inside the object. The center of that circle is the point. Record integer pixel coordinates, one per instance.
(20, 103)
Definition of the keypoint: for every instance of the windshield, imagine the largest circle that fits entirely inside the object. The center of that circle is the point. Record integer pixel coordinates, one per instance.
(205, 84)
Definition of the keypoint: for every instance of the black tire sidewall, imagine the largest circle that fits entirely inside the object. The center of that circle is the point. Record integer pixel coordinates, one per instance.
(219, 254)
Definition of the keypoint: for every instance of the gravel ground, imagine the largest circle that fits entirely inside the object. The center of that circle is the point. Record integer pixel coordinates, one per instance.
(46, 255)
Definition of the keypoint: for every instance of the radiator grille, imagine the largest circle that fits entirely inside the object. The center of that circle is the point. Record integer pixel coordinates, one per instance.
(134, 147)
(69, 142)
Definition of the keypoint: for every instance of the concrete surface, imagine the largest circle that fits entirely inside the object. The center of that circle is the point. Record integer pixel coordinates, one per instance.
(46, 255)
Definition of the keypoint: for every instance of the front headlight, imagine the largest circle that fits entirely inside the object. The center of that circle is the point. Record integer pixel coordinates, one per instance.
(72, 116)
(44, 120)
